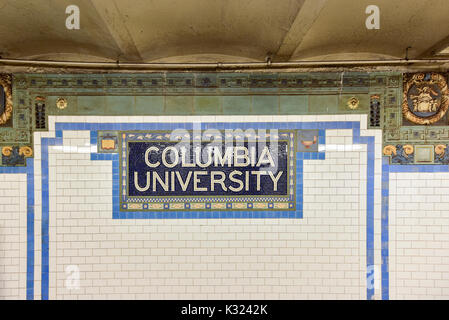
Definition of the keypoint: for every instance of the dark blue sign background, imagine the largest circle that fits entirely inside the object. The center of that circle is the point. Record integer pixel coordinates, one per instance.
(136, 163)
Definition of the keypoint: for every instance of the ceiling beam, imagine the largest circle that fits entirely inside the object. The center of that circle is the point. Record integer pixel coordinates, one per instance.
(111, 16)
(307, 15)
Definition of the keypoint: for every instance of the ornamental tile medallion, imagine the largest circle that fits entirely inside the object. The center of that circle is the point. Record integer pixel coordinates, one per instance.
(425, 98)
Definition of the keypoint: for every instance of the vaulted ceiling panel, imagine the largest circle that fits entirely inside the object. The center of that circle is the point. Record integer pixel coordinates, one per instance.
(238, 28)
(340, 28)
(219, 30)
(30, 28)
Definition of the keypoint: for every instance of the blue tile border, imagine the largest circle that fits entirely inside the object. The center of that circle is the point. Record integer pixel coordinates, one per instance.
(29, 171)
(386, 169)
(94, 127)
(385, 277)
(369, 141)
(45, 142)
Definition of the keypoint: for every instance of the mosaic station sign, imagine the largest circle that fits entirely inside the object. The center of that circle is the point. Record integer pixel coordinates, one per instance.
(219, 171)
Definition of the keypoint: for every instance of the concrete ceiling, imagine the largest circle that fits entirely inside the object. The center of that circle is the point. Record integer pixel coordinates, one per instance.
(222, 30)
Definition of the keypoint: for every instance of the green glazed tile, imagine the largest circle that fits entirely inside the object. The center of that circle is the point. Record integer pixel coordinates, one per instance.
(94, 105)
(236, 105)
(119, 105)
(178, 105)
(149, 105)
(323, 104)
(296, 104)
(207, 105)
(265, 105)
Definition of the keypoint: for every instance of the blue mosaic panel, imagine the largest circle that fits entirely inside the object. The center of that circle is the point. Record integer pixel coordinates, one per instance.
(158, 173)
(216, 179)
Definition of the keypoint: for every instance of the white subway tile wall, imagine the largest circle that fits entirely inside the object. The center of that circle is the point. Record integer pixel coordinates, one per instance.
(322, 256)
(13, 236)
(419, 235)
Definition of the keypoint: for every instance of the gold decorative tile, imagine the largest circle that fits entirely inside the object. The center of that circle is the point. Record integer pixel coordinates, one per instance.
(135, 206)
(107, 144)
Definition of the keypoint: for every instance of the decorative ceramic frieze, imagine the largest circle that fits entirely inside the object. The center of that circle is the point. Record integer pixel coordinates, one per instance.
(442, 154)
(15, 156)
(38, 96)
(422, 118)
(400, 154)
